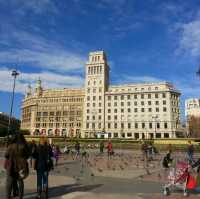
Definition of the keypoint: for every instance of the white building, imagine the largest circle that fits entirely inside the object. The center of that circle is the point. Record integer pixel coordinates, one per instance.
(149, 110)
(192, 107)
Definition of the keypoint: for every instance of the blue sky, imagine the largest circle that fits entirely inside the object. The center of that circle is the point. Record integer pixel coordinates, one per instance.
(145, 41)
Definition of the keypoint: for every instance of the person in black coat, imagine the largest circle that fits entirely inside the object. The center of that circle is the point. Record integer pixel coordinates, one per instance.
(43, 164)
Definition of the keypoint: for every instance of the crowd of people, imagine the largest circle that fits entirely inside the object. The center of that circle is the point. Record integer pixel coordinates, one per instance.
(21, 156)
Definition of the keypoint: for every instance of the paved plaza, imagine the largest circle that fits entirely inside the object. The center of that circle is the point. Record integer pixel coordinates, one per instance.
(123, 176)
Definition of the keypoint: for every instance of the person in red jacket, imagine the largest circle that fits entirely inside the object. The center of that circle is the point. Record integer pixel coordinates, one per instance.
(109, 149)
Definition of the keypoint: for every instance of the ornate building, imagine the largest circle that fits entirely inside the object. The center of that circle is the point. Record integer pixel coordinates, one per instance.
(149, 110)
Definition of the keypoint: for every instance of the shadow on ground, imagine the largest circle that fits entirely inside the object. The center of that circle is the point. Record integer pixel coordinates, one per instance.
(65, 189)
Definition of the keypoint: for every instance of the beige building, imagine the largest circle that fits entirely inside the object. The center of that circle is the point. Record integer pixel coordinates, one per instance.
(53, 111)
(149, 110)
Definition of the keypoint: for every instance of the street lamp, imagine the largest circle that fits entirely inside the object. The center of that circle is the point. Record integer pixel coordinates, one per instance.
(14, 74)
(155, 118)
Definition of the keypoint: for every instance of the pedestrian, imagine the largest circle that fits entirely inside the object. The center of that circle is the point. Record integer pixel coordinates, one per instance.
(77, 149)
(43, 164)
(32, 148)
(190, 152)
(144, 150)
(101, 146)
(56, 154)
(110, 149)
(16, 166)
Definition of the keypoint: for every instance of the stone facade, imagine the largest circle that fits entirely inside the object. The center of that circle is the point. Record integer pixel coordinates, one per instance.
(148, 110)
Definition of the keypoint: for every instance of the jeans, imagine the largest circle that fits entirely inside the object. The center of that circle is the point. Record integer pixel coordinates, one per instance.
(42, 181)
(15, 185)
(190, 158)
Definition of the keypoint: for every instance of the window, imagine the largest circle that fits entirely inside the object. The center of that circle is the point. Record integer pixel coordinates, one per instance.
(115, 117)
(88, 97)
(99, 125)
(88, 82)
(122, 125)
(51, 113)
(94, 82)
(158, 125)
(94, 90)
(164, 109)
(88, 90)
(157, 102)
(115, 97)
(99, 97)
(128, 97)
(115, 125)
(164, 95)
(99, 110)
(109, 97)
(38, 113)
(128, 103)
(93, 117)
(93, 104)
(142, 109)
(136, 125)
(99, 104)
(149, 102)
(122, 103)
(88, 104)
(88, 117)
(115, 110)
(135, 96)
(149, 96)
(165, 125)
(109, 125)
(94, 97)
(122, 97)
(143, 125)
(88, 125)
(142, 103)
(109, 110)
(157, 109)
(129, 110)
(135, 110)
(150, 109)
(122, 110)
(150, 125)
(115, 103)
(129, 125)
(142, 96)
(164, 102)
(109, 117)
(115, 135)
(156, 95)
(88, 110)
(129, 134)
(135, 103)
(100, 89)
(93, 125)
(99, 117)
(109, 104)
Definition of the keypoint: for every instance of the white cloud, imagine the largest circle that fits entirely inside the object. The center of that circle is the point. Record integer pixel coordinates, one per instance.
(39, 52)
(49, 80)
(23, 7)
(190, 38)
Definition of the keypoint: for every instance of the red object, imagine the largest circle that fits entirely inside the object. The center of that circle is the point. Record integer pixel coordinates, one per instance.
(109, 147)
(191, 183)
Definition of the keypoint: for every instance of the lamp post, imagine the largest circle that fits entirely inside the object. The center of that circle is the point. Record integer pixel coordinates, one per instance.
(155, 118)
(14, 74)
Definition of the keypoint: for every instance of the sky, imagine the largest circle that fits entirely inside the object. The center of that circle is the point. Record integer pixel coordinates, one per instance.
(145, 41)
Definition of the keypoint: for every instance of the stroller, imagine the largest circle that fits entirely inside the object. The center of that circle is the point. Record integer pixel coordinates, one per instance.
(179, 177)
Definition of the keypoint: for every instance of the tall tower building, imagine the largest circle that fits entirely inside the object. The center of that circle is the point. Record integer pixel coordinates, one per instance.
(96, 84)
